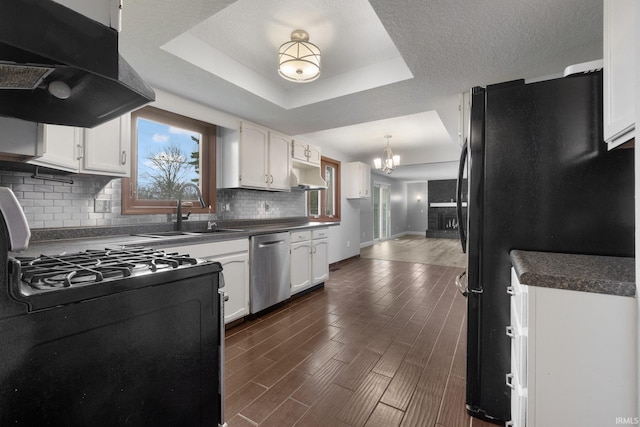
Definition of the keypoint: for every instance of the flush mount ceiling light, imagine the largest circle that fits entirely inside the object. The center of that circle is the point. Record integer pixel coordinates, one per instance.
(298, 59)
(388, 162)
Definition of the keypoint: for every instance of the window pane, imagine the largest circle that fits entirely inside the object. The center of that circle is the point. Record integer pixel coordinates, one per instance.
(168, 157)
(314, 203)
(329, 202)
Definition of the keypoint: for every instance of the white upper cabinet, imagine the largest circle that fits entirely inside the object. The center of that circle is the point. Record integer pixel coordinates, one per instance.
(103, 150)
(305, 153)
(358, 180)
(254, 142)
(107, 148)
(255, 157)
(619, 71)
(279, 164)
(62, 147)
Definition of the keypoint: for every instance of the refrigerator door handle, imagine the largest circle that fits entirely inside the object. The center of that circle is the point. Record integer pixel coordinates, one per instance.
(463, 160)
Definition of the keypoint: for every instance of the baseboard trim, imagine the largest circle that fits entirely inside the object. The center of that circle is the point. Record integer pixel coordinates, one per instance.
(342, 262)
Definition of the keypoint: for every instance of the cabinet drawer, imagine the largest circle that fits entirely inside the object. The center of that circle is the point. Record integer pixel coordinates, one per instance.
(320, 233)
(300, 236)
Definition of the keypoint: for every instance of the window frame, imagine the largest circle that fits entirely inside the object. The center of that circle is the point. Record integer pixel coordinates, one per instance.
(324, 162)
(133, 206)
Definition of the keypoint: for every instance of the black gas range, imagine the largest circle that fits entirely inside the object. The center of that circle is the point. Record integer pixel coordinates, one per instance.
(110, 337)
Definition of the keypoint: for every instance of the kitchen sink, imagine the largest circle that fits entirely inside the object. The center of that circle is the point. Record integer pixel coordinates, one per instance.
(163, 234)
(215, 230)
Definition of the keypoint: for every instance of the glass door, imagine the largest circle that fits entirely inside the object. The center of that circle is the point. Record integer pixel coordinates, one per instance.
(381, 212)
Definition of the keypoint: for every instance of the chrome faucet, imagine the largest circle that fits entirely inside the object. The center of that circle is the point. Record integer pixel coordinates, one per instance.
(179, 210)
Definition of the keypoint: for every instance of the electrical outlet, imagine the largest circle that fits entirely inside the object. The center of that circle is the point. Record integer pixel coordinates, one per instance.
(102, 206)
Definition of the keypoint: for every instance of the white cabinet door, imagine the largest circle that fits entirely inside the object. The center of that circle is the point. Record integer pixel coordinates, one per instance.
(320, 261)
(279, 165)
(300, 266)
(306, 153)
(299, 150)
(107, 148)
(235, 269)
(233, 255)
(314, 154)
(358, 177)
(62, 148)
(253, 156)
(619, 71)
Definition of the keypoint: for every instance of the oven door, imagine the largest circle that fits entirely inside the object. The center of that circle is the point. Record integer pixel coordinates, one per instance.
(144, 357)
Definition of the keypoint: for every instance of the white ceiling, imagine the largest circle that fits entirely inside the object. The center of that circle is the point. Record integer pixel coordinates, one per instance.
(416, 57)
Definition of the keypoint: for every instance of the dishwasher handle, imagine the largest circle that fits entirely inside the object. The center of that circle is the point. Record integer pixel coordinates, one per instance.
(272, 243)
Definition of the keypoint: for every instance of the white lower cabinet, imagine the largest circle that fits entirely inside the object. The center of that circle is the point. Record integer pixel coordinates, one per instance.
(309, 258)
(320, 255)
(573, 357)
(233, 255)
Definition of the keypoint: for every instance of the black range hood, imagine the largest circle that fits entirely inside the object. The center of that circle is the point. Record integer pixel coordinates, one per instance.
(58, 66)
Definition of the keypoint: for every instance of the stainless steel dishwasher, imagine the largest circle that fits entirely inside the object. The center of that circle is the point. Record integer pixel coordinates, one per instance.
(270, 270)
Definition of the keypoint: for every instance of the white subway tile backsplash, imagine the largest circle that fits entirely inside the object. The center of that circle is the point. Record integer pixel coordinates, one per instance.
(54, 204)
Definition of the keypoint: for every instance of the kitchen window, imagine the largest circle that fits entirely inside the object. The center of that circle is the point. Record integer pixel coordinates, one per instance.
(168, 151)
(324, 205)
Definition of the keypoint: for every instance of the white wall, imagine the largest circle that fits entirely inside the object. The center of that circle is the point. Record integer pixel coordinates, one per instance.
(417, 210)
(344, 239)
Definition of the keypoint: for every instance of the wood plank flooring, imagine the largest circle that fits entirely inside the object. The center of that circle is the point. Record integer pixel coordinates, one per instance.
(382, 344)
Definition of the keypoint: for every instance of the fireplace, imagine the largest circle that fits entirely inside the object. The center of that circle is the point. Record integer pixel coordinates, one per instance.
(442, 218)
(447, 221)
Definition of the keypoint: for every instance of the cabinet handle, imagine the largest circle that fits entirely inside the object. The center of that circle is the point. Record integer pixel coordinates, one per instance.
(509, 331)
(510, 290)
(266, 179)
(271, 179)
(123, 158)
(509, 381)
(80, 152)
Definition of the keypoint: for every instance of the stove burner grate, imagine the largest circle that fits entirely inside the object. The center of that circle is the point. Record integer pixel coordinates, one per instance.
(93, 266)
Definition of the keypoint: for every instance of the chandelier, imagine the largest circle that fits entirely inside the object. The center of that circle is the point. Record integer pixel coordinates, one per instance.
(388, 162)
(298, 59)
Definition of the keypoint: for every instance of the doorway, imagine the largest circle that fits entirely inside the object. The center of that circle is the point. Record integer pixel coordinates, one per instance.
(381, 212)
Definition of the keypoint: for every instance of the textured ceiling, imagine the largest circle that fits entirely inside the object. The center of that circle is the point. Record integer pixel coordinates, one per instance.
(448, 46)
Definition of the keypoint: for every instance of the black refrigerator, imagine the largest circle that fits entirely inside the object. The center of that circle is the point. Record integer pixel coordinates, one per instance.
(539, 178)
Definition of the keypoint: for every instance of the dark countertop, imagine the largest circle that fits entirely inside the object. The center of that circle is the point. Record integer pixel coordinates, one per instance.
(586, 273)
(52, 242)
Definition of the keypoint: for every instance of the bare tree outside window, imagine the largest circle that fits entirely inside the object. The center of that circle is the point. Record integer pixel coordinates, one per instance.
(170, 170)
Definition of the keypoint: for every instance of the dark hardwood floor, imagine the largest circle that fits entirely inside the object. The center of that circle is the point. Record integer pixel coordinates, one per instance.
(382, 344)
